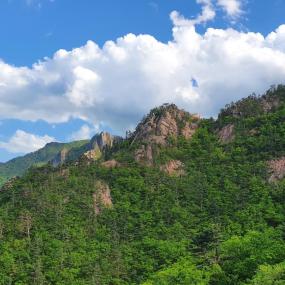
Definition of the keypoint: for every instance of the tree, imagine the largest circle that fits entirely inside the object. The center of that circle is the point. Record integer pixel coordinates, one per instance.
(269, 275)
(25, 223)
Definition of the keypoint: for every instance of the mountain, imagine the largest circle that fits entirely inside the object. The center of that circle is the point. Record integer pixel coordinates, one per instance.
(182, 200)
(90, 150)
(18, 166)
(56, 153)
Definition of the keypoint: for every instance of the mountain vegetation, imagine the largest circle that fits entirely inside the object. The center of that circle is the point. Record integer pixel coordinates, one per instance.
(56, 154)
(182, 200)
(18, 166)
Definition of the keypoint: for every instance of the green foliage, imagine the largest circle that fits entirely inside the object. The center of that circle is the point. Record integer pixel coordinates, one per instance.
(246, 253)
(269, 275)
(222, 223)
(20, 165)
(183, 272)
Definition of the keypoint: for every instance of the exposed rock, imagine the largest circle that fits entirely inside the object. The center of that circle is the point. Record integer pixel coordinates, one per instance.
(144, 154)
(98, 144)
(269, 103)
(173, 168)
(189, 130)
(102, 140)
(276, 169)
(164, 122)
(9, 184)
(159, 126)
(102, 197)
(226, 134)
(60, 158)
(110, 163)
(93, 154)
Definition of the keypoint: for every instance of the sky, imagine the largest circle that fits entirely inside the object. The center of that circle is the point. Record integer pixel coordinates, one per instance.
(70, 69)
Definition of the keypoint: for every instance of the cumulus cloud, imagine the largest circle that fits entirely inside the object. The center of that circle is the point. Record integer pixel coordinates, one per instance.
(208, 12)
(85, 132)
(231, 7)
(23, 142)
(117, 84)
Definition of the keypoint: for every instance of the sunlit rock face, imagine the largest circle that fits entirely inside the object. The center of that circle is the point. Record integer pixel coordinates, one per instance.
(163, 123)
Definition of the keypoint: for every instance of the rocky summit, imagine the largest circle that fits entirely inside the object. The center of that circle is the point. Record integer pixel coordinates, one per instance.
(99, 143)
(159, 126)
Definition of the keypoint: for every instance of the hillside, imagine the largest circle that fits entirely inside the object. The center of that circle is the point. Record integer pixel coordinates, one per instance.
(19, 165)
(56, 154)
(183, 200)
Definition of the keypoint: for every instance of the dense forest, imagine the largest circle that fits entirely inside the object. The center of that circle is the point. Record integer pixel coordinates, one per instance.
(217, 217)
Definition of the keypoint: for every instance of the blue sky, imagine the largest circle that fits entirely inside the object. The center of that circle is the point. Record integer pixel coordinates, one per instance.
(77, 104)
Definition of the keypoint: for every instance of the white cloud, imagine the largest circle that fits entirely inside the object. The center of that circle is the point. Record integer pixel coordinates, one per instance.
(23, 142)
(208, 12)
(85, 132)
(231, 7)
(117, 84)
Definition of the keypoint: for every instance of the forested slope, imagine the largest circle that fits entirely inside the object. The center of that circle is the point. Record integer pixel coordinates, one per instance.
(18, 166)
(183, 200)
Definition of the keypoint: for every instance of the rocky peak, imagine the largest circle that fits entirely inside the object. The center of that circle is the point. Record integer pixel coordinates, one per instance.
(99, 143)
(162, 123)
(102, 140)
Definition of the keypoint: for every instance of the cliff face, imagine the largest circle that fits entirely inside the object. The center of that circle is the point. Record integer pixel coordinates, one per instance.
(60, 157)
(98, 144)
(159, 126)
(102, 140)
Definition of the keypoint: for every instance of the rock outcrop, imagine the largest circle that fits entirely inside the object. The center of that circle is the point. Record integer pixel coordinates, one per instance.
(60, 158)
(159, 126)
(102, 197)
(276, 169)
(164, 122)
(98, 144)
(93, 154)
(173, 168)
(226, 134)
(144, 154)
(110, 163)
(9, 184)
(102, 140)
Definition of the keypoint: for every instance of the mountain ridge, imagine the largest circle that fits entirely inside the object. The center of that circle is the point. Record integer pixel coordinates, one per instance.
(208, 210)
(150, 132)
